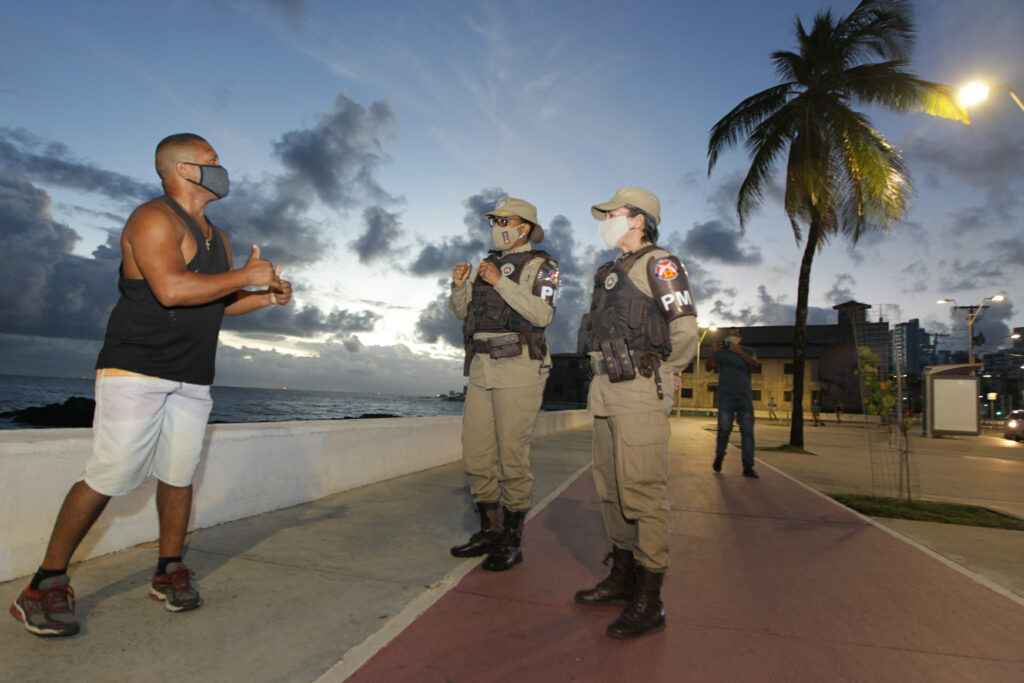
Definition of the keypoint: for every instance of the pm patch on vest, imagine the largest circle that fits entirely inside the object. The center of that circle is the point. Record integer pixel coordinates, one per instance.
(670, 287)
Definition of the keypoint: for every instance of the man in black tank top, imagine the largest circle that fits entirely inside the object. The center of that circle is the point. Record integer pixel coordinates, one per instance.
(153, 376)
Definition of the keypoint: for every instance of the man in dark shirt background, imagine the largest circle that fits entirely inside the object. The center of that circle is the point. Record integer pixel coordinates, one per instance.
(734, 363)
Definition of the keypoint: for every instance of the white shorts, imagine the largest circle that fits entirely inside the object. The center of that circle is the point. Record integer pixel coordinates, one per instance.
(145, 425)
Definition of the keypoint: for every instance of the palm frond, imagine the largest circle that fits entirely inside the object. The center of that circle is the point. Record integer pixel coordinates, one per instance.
(766, 143)
(744, 118)
(889, 85)
(878, 28)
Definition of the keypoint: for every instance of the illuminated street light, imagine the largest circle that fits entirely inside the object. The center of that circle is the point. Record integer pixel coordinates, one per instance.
(972, 313)
(976, 92)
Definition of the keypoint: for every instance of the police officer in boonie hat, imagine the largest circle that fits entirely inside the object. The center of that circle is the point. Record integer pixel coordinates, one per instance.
(510, 206)
(640, 331)
(505, 307)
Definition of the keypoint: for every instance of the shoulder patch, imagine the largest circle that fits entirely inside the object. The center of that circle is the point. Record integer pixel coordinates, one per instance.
(545, 285)
(670, 287)
(666, 269)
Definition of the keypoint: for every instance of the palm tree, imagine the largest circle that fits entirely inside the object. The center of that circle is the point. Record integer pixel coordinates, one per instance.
(842, 176)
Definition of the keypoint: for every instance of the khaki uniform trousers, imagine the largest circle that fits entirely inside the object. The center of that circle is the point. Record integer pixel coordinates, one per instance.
(497, 430)
(630, 473)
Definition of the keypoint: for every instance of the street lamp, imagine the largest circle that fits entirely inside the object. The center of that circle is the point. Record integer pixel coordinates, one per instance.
(972, 314)
(976, 92)
(696, 373)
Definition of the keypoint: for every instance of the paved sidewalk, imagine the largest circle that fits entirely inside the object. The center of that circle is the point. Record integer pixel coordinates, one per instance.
(770, 581)
(974, 470)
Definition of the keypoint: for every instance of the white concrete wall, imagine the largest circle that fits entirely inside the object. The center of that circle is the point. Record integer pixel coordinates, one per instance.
(247, 469)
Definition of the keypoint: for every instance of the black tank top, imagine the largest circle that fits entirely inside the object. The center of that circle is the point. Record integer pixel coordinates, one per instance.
(178, 343)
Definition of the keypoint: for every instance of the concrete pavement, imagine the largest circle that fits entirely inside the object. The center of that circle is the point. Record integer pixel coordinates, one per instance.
(770, 581)
(985, 470)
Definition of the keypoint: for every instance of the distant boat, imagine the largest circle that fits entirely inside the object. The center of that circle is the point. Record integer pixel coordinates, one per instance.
(453, 396)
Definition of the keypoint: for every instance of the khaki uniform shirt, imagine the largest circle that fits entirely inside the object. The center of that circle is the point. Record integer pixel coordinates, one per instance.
(640, 395)
(515, 371)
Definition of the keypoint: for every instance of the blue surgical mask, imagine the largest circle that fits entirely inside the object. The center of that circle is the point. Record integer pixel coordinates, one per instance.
(213, 178)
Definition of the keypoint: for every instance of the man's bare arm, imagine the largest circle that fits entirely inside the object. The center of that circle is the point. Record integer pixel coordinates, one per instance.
(152, 244)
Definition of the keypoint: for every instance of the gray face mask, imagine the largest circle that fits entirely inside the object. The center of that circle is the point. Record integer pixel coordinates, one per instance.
(213, 178)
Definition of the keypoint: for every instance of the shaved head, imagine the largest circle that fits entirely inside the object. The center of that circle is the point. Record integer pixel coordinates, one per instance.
(175, 148)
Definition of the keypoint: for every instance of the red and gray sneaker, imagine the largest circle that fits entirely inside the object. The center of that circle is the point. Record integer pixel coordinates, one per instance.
(49, 610)
(175, 588)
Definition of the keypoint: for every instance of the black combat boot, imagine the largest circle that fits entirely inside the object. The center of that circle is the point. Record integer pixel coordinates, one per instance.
(618, 587)
(645, 614)
(506, 552)
(483, 541)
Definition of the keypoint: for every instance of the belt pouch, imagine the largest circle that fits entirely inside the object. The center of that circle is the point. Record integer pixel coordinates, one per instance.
(505, 347)
(617, 359)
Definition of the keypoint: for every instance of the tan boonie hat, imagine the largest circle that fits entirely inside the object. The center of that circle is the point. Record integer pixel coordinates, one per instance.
(630, 196)
(510, 206)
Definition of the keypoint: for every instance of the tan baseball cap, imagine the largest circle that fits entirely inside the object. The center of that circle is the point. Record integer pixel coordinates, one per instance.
(630, 196)
(510, 206)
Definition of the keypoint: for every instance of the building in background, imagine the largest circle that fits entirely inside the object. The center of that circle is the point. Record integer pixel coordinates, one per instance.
(831, 364)
(1003, 376)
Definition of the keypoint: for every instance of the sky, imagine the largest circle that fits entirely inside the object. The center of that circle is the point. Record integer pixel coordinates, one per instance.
(365, 141)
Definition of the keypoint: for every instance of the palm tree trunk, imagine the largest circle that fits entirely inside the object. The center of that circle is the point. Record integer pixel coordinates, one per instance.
(796, 427)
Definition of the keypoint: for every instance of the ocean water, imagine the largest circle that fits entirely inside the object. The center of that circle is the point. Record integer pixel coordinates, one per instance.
(235, 404)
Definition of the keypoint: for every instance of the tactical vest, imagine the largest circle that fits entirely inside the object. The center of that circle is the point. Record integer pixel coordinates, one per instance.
(620, 309)
(488, 312)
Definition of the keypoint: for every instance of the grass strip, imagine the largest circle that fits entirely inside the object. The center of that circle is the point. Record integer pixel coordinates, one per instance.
(929, 511)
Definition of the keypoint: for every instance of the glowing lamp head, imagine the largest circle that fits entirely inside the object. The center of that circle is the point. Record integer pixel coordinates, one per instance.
(972, 94)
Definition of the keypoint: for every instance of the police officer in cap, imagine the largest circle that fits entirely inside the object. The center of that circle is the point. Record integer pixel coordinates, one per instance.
(640, 331)
(505, 307)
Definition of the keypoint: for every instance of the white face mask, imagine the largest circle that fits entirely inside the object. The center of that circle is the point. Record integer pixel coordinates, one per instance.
(732, 340)
(612, 230)
(505, 237)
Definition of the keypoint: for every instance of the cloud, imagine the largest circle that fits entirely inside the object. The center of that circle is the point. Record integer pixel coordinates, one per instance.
(917, 277)
(993, 163)
(841, 289)
(713, 240)
(971, 274)
(1009, 252)
(350, 366)
(56, 292)
(309, 321)
(46, 355)
(335, 162)
(993, 324)
(52, 163)
(576, 277)
(262, 213)
(338, 158)
(439, 259)
(436, 323)
(769, 311)
(382, 230)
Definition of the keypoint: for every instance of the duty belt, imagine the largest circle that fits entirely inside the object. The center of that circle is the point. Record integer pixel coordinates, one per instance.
(598, 367)
(500, 347)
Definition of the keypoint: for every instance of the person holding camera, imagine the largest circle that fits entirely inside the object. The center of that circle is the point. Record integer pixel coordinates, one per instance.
(733, 362)
(505, 307)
